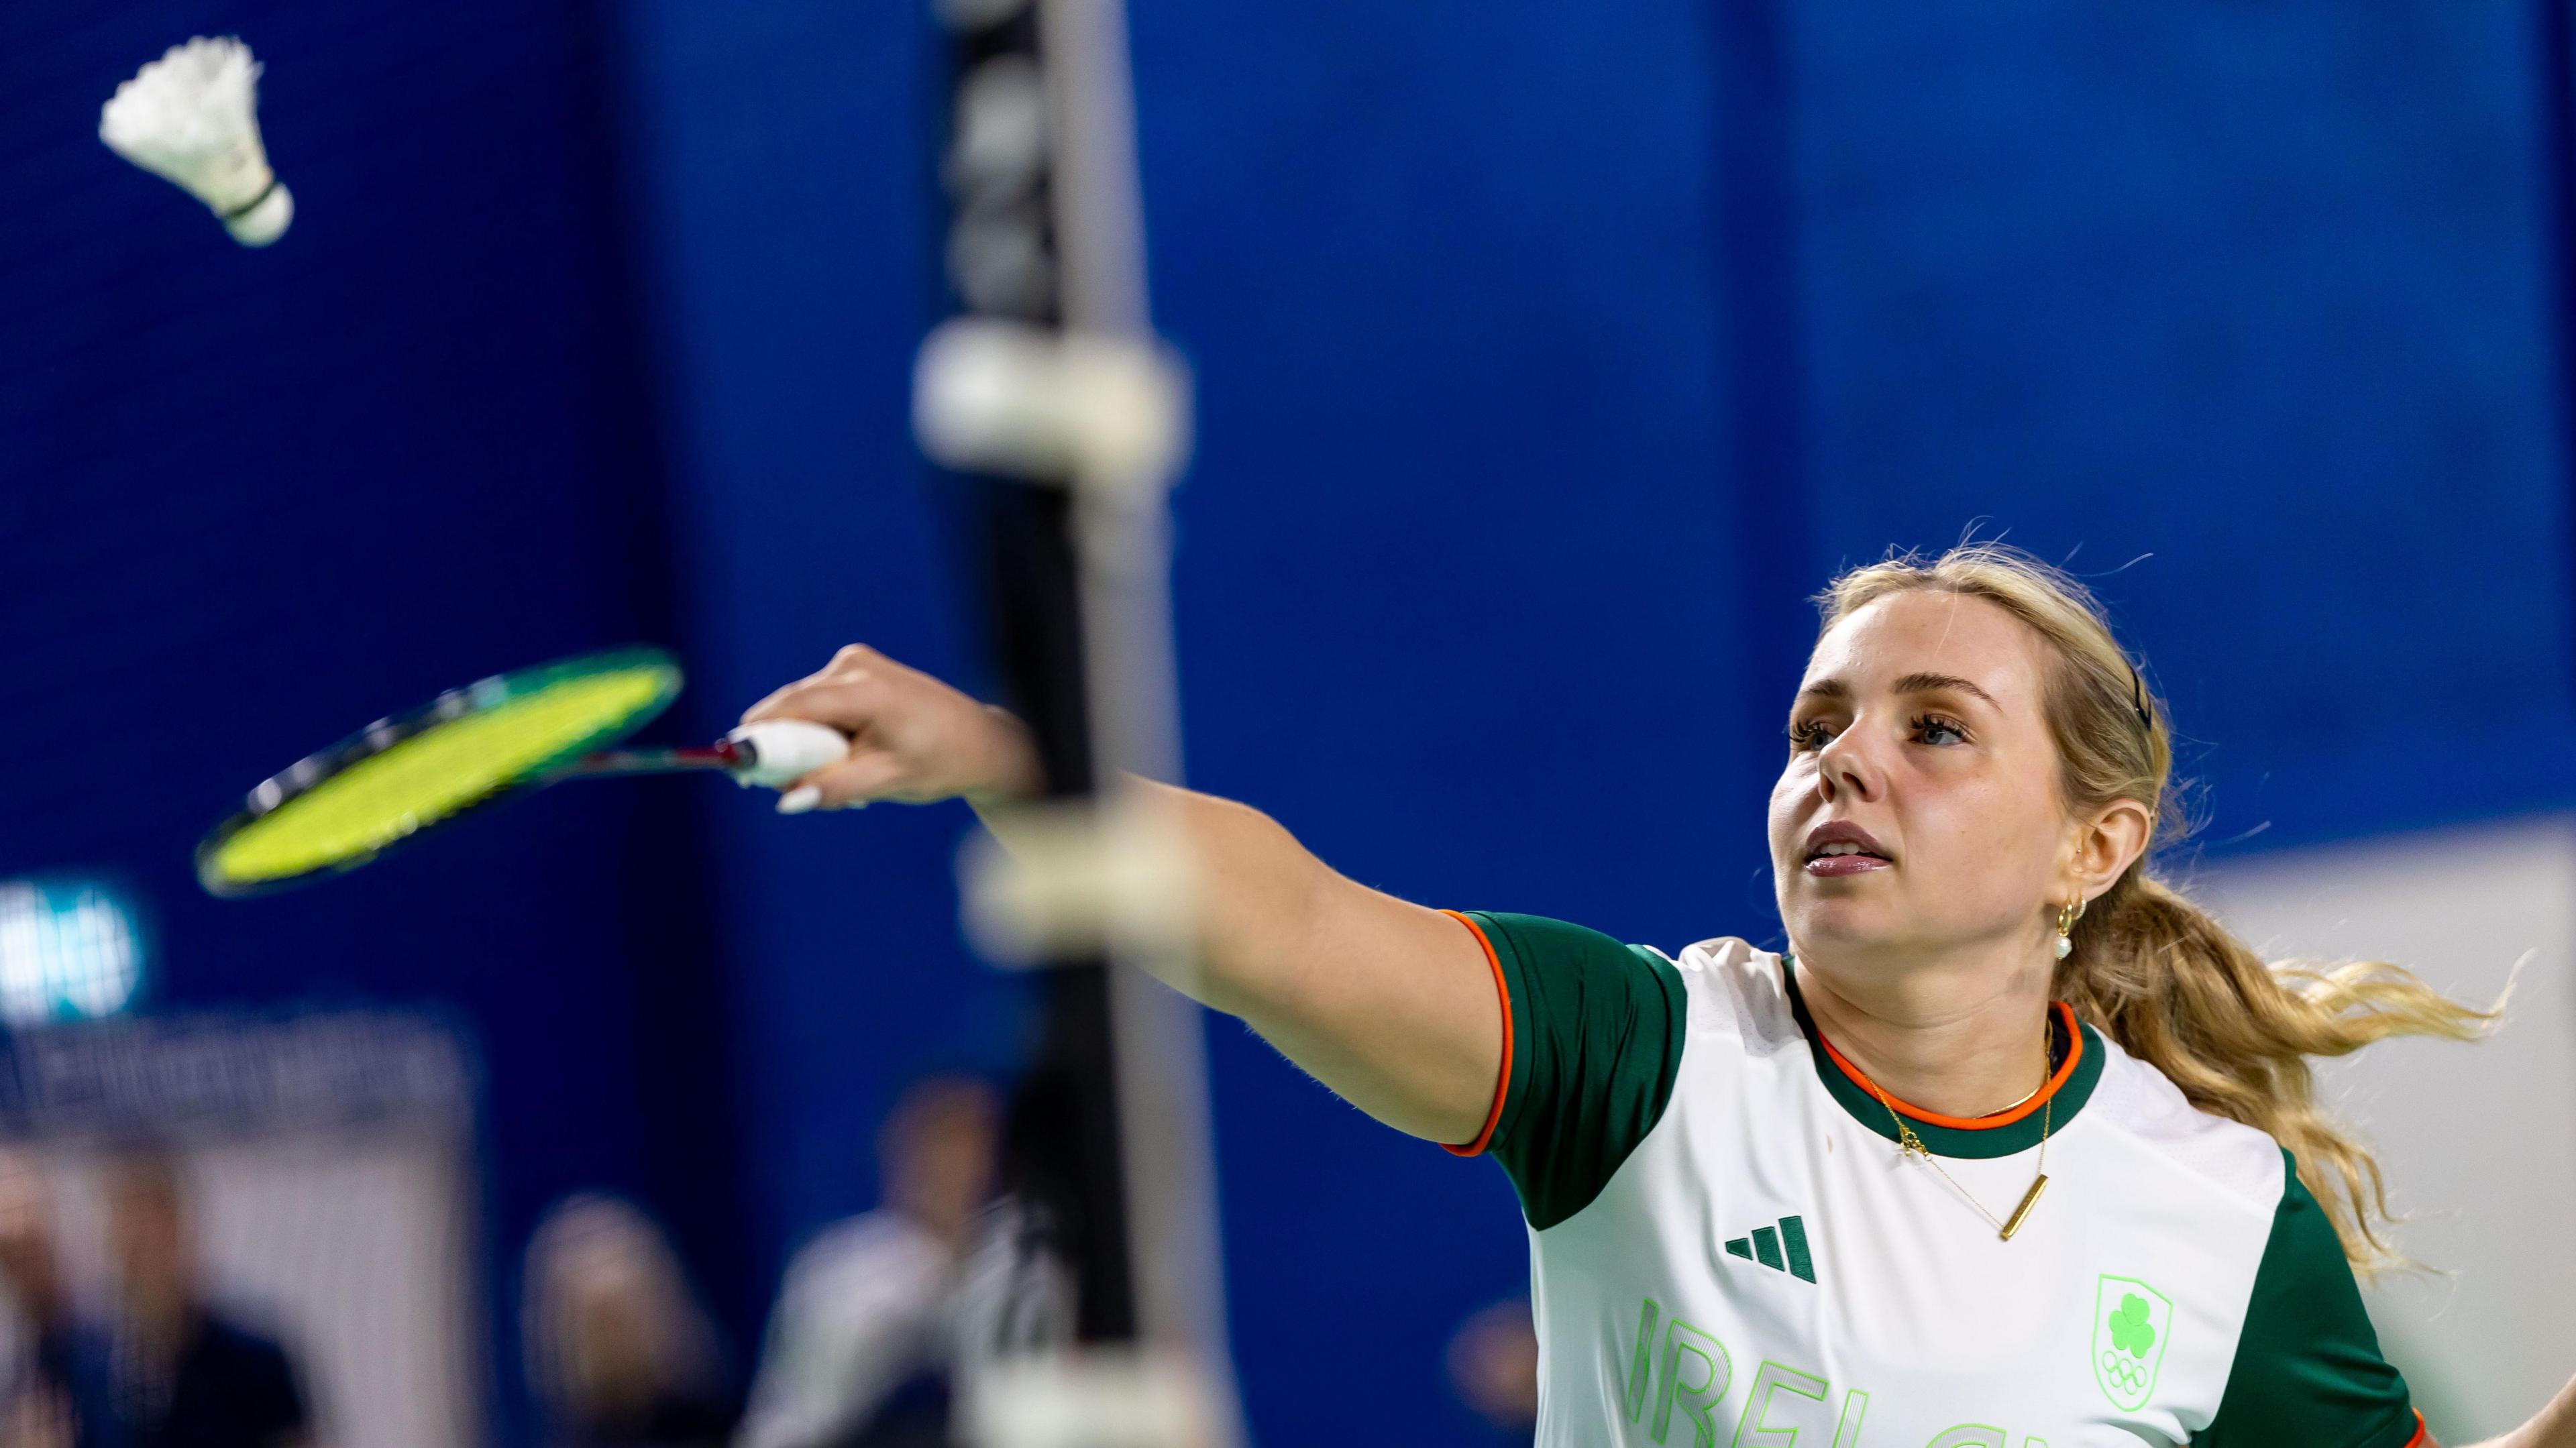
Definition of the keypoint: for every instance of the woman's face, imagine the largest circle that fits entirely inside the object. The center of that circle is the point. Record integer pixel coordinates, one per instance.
(1918, 732)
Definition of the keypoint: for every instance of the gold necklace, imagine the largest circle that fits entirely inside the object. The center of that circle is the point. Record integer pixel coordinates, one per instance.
(1912, 1145)
(2018, 1100)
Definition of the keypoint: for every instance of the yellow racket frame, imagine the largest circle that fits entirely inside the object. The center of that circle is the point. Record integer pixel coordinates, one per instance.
(469, 748)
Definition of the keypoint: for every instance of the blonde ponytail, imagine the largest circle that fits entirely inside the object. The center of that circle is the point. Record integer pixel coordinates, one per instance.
(2157, 974)
(2150, 969)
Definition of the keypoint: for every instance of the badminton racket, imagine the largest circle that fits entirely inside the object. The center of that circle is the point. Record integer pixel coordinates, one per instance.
(472, 748)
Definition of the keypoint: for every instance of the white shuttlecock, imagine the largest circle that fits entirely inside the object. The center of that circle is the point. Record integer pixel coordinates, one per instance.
(192, 117)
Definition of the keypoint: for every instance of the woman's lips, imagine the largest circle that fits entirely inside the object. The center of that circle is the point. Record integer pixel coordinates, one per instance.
(1829, 865)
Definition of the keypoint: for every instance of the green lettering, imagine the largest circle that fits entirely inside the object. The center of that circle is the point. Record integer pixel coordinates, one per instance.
(1643, 1362)
(1755, 1430)
(1855, 1408)
(1972, 1435)
(1689, 1351)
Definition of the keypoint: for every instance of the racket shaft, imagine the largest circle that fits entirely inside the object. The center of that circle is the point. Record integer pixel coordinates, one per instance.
(656, 761)
(774, 753)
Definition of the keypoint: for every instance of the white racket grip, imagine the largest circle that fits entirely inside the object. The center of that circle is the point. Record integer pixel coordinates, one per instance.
(786, 750)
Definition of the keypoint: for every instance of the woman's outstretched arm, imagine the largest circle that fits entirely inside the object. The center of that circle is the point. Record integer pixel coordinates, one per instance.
(1390, 1004)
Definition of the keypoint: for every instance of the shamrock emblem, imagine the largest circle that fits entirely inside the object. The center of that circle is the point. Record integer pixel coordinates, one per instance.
(2131, 1323)
(2129, 1330)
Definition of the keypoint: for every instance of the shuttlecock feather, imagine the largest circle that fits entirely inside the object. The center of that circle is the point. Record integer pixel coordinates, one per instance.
(192, 118)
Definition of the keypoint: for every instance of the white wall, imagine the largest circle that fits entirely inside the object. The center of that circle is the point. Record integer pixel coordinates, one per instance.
(354, 1251)
(2479, 1142)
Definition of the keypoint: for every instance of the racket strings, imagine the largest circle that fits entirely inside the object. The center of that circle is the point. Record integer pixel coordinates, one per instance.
(443, 769)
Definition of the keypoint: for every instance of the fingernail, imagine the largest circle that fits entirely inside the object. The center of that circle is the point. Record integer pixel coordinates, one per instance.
(799, 800)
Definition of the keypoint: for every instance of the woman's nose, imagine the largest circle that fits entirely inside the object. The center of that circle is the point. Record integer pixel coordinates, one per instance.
(1843, 767)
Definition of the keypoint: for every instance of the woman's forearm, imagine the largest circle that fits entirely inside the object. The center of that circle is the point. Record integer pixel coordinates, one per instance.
(1391, 1005)
(1255, 889)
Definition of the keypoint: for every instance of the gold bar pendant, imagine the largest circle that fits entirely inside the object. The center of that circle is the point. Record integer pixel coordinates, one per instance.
(2029, 1199)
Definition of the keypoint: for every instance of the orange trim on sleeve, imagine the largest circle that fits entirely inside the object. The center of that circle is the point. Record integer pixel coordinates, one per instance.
(2065, 1072)
(2423, 1436)
(1502, 1081)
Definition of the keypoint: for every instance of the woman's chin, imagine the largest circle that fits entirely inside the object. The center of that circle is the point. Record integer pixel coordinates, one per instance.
(1842, 924)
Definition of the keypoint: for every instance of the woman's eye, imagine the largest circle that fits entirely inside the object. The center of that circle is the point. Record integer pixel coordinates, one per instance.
(1930, 725)
(1807, 735)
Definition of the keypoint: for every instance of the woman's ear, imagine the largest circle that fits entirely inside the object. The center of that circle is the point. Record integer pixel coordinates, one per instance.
(2111, 842)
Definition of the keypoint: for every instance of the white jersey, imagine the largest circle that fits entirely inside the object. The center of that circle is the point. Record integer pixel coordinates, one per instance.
(877, 1307)
(1729, 1249)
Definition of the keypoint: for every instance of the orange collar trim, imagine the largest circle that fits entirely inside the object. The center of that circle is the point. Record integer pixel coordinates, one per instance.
(2065, 1073)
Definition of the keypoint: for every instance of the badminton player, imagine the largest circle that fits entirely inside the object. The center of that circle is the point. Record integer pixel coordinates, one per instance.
(2012, 1146)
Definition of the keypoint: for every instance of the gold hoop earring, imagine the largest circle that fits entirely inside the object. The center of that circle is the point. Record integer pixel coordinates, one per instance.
(2067, 915)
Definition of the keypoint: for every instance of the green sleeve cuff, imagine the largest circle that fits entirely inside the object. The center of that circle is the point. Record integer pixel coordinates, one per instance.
(1591, 1054)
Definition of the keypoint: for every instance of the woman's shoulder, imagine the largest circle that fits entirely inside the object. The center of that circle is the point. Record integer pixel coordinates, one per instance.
(1733, 982)
(2143, 1104)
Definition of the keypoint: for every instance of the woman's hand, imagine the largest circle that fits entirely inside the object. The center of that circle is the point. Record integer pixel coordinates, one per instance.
(912, 737)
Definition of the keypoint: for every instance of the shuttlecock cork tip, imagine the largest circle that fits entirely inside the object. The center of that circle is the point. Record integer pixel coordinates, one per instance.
(191, 117)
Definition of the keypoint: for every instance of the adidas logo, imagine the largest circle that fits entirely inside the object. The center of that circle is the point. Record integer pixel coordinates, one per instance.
(1782, 1249)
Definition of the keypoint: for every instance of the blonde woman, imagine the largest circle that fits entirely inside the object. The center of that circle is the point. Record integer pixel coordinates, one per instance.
(619, 1350)
(2012, 1147)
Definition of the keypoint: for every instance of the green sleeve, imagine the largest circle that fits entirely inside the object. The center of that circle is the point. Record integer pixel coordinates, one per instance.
(1596, 1045)
(2308, 1368)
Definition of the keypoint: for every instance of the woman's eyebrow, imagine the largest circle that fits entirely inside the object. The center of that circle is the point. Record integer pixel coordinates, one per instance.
(1907, 684)
(1927, 683)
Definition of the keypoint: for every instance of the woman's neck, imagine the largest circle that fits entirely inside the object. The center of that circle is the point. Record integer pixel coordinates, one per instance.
(1958, 1041)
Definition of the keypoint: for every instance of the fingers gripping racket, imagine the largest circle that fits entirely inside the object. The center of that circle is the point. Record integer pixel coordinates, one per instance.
(471, 748)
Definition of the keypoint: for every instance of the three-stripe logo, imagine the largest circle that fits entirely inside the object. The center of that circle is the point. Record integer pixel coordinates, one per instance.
(1782, 1249)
